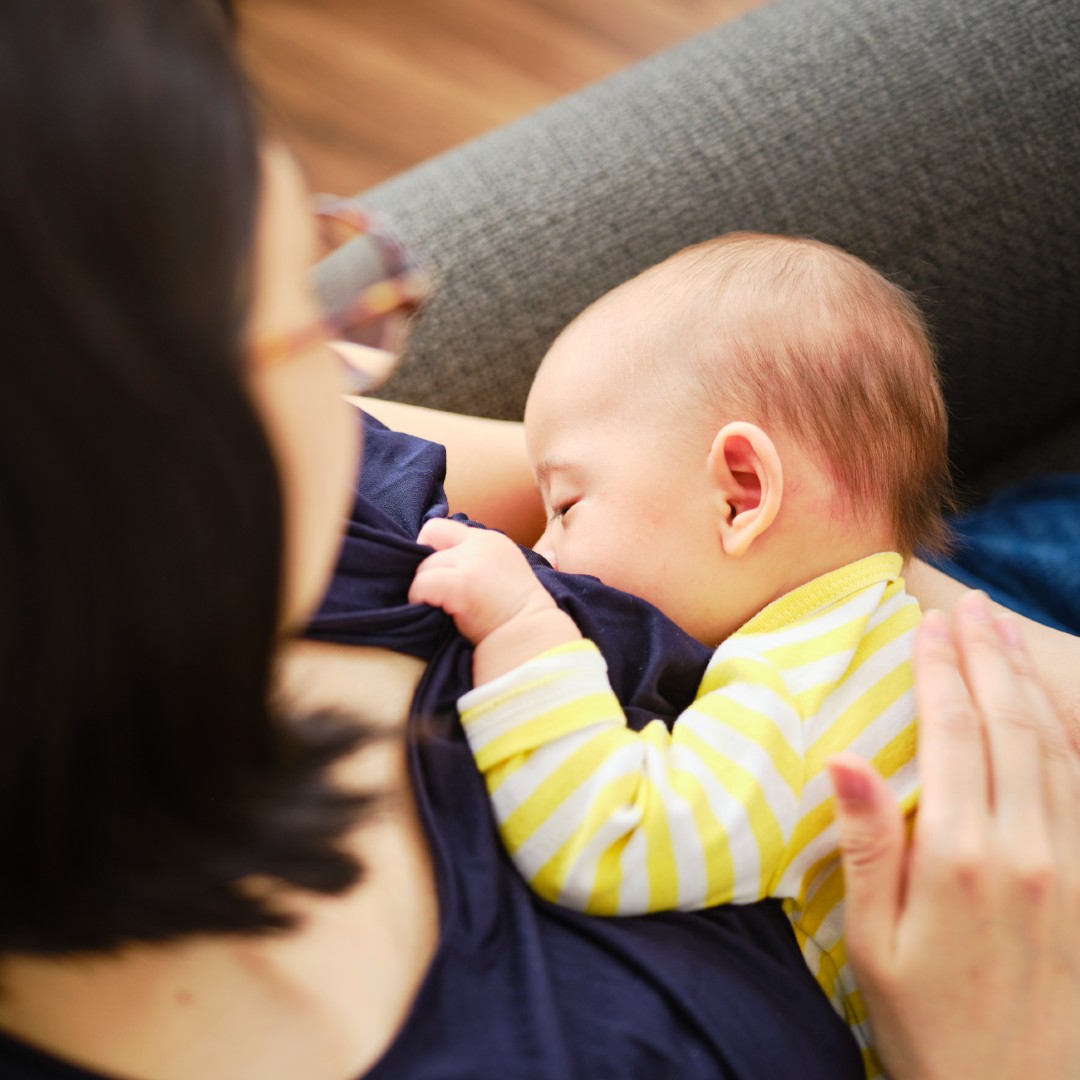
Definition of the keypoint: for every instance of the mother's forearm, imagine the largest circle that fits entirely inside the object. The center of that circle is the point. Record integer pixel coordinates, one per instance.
(1056, 655)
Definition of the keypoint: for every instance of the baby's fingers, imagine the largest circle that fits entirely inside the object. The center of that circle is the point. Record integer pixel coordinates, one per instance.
(440, 584)
(441, 533)
(454, 579)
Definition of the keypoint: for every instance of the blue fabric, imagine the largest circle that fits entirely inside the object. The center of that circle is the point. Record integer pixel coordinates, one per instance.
(519, 987)
(1023, 548)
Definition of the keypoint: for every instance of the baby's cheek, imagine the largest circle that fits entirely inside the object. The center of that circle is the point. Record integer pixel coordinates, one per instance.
(607, 561)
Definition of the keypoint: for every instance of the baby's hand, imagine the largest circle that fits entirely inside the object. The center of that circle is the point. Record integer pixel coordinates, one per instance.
(483, 581)
(477, 576)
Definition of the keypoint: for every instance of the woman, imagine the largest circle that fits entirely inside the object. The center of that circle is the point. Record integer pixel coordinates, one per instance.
(210, 869)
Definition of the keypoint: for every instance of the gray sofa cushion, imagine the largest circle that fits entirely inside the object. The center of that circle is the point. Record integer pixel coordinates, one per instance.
(938, 139)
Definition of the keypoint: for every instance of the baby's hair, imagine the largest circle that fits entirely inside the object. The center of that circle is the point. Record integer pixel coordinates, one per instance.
(799, 336)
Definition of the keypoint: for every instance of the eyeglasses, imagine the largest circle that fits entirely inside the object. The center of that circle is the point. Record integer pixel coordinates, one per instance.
(370, 326)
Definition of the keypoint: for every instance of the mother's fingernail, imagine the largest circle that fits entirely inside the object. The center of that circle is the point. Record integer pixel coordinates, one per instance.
(978, 606)
(852, 787)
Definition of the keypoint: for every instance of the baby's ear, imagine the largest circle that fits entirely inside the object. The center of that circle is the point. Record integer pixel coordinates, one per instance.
(748, 484)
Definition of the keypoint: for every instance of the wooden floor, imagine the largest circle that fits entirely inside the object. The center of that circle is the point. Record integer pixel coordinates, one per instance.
(362, 89)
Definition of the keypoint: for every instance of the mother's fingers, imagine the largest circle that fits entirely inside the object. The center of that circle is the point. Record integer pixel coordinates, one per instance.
(983, 977)
(873, 850)
(1060, 767)
(952, 758)
(1012, 726)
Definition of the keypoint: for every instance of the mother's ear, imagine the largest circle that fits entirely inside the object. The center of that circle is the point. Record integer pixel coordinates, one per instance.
(748, 484)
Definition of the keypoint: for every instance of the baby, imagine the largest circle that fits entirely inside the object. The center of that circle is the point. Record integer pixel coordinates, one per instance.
(751, 436)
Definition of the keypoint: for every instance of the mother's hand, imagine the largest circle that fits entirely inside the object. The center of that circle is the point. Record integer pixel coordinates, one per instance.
(966, 942)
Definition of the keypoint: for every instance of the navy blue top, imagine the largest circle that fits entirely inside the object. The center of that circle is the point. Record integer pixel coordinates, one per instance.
(520, 988)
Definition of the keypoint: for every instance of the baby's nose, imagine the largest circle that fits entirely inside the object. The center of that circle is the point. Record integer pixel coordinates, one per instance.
(544, 547)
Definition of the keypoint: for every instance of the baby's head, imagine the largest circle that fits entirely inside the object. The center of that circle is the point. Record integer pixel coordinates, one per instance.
(750, 402)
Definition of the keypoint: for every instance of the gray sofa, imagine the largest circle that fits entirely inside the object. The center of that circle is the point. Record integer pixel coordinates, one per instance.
(938, 139)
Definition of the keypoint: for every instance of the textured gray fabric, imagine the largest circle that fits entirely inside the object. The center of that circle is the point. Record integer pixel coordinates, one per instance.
(938, 139)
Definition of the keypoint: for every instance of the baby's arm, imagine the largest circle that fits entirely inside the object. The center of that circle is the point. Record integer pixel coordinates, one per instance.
(481, 579)
(612, 821)
(595, 815)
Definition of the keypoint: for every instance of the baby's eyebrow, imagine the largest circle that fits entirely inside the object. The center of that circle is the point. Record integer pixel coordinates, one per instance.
(546, 466)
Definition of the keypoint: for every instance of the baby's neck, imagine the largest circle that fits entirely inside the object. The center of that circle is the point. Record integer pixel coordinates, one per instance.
(832, 559)
(812, 553)
(802, 548)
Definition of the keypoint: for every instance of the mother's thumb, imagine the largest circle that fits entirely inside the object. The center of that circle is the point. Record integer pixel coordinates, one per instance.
(873, 848)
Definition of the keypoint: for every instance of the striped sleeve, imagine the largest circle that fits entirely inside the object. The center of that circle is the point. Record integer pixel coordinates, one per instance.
(612, 821)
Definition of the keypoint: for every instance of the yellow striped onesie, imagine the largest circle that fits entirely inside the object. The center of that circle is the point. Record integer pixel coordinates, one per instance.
(731, 805)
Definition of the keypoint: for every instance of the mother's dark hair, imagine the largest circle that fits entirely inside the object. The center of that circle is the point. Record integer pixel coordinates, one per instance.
(143, 774)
